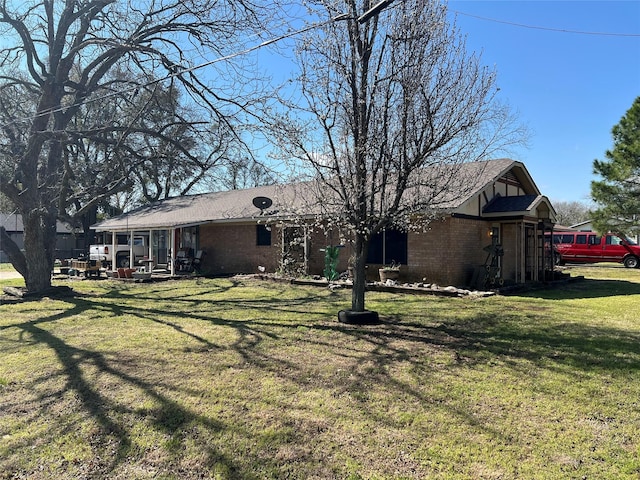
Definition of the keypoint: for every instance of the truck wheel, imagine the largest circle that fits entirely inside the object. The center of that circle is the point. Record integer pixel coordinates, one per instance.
(631, 262)
(123, 261)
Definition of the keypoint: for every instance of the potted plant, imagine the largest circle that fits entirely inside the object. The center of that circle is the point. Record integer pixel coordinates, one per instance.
(389, 272)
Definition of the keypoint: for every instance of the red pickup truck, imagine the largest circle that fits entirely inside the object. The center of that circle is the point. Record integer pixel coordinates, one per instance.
(590, 247)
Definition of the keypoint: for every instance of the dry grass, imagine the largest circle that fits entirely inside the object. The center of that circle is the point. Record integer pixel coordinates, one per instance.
(241, 379)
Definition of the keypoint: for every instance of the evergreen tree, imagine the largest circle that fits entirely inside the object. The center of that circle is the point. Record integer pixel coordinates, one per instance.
(617, 194)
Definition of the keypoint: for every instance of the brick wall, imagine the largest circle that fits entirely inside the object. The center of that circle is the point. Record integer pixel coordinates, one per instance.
(449, 252)
(231, 248)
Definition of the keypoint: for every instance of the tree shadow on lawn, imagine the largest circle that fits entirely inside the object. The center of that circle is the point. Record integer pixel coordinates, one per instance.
(584, 288)
(168, 416)
(370, 352)
(572, 351)
(569, 345)
(112, 445)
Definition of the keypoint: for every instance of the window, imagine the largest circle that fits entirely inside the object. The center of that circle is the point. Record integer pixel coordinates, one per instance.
(563, 238)
(581, 239)
(613, 240)
(189, 239)
(263, 235)
(387, 247)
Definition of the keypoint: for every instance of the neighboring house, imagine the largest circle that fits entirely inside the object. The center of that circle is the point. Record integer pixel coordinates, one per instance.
(506, 208)
(582, 226)
(68, 240)
(588, 227)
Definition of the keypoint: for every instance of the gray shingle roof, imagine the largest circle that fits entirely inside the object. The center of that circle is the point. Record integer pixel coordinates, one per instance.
(236, 205)
(521, 203)
(233, 205)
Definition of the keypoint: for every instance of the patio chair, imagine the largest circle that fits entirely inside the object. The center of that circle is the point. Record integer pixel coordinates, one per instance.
(197, 260)
(182, 260)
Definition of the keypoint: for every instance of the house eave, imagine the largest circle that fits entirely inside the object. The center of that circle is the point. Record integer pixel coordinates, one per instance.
(144, 227)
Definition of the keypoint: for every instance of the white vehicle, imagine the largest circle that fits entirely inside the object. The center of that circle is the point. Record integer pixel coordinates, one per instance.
(105, 251)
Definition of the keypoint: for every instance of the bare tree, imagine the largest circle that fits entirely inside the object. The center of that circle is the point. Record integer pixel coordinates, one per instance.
(571, 213)
(391, 106)
(64, 55)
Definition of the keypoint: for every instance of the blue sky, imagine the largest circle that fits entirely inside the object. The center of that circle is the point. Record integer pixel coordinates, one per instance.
(570, 89)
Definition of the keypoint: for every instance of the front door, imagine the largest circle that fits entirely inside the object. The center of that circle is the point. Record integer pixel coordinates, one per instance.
(160, 246)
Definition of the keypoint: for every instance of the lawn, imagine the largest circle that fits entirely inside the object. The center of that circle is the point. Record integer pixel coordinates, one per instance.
(244, 379)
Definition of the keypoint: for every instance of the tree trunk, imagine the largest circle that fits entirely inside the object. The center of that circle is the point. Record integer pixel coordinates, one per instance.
(16, 257)
(359, 274)
(39, 243)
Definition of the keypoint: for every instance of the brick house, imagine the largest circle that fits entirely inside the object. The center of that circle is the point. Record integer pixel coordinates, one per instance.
(504, 208)
(69, 241)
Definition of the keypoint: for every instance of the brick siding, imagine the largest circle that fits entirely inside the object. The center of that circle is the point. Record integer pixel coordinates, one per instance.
(231, 248)
(449, 252)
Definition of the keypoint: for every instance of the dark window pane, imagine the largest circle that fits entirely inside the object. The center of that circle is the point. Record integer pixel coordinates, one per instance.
(396, 247)
(567, 238)
(375, 249)
(263, 235)
(387, 247)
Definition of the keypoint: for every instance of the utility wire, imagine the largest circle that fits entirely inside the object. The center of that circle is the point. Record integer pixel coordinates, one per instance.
(549, 29)
(183, 70)
(292, 34)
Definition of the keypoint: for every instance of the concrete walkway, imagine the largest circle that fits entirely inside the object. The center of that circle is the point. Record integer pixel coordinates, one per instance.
(5, 275)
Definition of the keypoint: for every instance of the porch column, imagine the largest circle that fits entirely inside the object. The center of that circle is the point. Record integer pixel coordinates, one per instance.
(520, 253)
(114, 265)
(306, 248)
(172, 260)
(150, 247)
(282, 247)
(131, 258)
